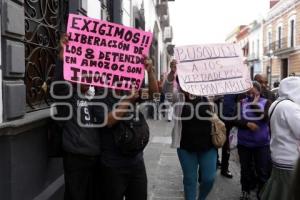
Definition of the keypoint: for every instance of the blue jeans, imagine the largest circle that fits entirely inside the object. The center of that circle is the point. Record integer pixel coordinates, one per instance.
(192, 163)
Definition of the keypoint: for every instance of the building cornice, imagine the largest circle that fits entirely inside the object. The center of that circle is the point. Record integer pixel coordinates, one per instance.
(280, 8)
(235, 32)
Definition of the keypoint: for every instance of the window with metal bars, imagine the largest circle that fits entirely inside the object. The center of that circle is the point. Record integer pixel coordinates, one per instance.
(44, 22)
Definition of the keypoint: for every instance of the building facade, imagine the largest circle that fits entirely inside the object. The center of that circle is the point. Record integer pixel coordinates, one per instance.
(255, 57)
(241, 36)
(281, 40)
(250, 39)
(242, 39)
(30, 33)
(157, 20)
(232, 37)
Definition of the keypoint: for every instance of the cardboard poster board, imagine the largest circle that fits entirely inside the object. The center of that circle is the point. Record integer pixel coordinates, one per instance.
(209, 70)
(105, 54)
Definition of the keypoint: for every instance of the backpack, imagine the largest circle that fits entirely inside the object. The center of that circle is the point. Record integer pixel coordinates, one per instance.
(131, 136)
(271, 114)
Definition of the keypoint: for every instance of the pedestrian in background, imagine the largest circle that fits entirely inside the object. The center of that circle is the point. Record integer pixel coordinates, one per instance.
(276, 84)
(161, 97)
(292, 74)
(285, 139)
(192, 138)
(227, 109)
(265, 92)
(123, 170)
(169, 94)
(253, 141)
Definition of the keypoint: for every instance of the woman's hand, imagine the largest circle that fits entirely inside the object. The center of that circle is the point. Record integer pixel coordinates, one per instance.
(134, 94)
(256, 98)
(252, 126)
(148, 63)
(152, 84)
(122, 107)
(63, 40)
(62, 43)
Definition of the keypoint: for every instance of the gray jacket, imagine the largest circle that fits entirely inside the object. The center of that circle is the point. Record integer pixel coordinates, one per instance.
(178, 100)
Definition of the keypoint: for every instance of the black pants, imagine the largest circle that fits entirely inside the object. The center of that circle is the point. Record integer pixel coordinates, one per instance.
(260, 158)
(82, 178)
(226, 150)
(129, 182)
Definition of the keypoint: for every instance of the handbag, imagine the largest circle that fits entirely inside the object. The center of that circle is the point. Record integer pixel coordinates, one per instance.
(218, 132)
(131, 136)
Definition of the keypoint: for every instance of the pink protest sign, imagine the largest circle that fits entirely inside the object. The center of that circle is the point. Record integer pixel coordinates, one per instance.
(105, 54)
(215, 69)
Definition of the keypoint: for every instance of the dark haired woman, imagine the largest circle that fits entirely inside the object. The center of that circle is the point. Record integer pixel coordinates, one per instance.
(253, 141)
(191, 136)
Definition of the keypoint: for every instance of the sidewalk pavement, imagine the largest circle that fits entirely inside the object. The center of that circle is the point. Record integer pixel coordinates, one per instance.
(164, 170)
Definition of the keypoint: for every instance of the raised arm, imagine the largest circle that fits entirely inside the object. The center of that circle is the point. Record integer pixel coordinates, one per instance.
(122, 106)
(153, 87)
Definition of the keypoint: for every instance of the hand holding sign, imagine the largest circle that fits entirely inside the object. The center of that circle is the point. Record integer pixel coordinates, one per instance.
(148, 64)
(62, 43)
(63, 40)
(134, 94)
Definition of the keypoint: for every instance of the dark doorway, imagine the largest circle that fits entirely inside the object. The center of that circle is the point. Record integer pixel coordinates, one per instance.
(284, 68)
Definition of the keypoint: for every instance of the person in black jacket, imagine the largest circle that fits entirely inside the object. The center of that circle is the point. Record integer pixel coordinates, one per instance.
(227, 109)
(80, 143)
(122, 175)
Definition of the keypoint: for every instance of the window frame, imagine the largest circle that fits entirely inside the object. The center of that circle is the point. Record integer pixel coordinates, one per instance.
(45, 42)
(257, 47)
(279, 35)
(127, 13)
(292, 18)
(97, 13)
(269, 38)
(253, 49)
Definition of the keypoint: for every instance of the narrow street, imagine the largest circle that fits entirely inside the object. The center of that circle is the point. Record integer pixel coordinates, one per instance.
(164, 171)
(70, 76)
